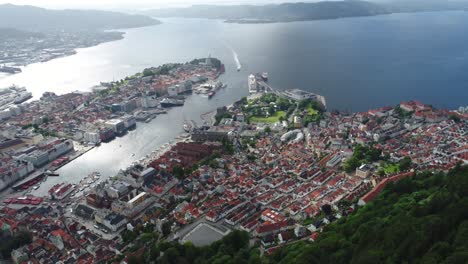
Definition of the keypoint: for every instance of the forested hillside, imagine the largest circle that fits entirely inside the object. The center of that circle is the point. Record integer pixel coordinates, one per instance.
(423, 219)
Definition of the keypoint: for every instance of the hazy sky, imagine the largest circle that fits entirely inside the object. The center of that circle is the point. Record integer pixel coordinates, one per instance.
(133, 4)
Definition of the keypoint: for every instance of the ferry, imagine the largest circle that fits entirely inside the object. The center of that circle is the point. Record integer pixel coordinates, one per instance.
(11, 70)
(166, 102)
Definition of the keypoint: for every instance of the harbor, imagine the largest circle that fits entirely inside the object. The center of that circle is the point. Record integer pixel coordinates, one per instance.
(13, 95)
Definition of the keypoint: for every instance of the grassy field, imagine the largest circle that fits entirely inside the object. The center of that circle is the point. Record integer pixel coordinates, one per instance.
(312, 111)
(271, 119)
(391, 169)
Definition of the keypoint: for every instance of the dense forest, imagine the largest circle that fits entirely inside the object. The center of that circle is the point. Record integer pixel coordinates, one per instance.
(422, 219)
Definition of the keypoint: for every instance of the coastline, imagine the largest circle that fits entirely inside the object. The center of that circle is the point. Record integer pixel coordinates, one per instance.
(187, 71)
(107, 36)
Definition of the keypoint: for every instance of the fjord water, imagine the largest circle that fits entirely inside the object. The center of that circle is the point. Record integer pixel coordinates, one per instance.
(357, 63)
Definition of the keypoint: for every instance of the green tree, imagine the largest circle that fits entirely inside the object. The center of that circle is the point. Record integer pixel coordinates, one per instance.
(166, 228)
(147, 72)
(405, 163)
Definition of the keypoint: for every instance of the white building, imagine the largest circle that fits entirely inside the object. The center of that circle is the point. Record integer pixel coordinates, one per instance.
(92, 137)
(129, 121)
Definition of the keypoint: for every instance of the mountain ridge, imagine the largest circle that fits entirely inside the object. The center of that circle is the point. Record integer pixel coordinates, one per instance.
(305, 11)
(31, 18)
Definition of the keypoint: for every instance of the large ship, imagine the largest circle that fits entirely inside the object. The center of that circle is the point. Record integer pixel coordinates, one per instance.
(167, 102)
(22, 97)
(253, 85)
(11, 70)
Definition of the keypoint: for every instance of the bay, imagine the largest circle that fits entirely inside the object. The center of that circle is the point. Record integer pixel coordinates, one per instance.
(356, 63)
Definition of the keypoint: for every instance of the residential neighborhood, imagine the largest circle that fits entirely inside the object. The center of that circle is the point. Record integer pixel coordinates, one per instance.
(279, 168)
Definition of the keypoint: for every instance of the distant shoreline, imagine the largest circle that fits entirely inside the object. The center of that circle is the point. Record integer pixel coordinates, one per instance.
(272, 21)
(107, 36)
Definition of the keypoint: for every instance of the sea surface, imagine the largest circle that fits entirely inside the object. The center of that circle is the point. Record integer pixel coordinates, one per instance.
(356, 63)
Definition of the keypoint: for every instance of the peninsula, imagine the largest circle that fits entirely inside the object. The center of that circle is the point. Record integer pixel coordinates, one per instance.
(274, 168)
(32, 34)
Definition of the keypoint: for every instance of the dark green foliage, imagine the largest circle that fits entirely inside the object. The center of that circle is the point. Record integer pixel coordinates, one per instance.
(148, 72)
(405, 163)
(455, 118)
(178, 172)
(422, 219)
(327, 209)
(251, 157)
(228, 147)
(220, 116)
(362, 154)
(10, 243)
(268, 98)
(215, 62)
(166, 228)
(283, 103)
(233, 248)
(402, 113)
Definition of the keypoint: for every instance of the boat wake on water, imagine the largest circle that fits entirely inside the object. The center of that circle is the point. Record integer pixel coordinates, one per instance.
(236, 58)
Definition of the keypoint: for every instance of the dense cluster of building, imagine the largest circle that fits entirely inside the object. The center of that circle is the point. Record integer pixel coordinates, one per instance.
(41, 47)
(280, 181)
(56, 239)
(91, 118)
(24, 154)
